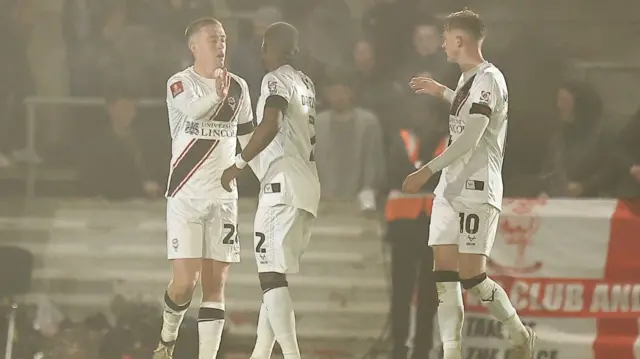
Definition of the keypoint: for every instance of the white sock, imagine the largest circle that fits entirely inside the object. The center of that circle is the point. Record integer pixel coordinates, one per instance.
(493, 296)
(210, 326)
(282, 319)
(450, 318)
(265, 338)
(172, 319)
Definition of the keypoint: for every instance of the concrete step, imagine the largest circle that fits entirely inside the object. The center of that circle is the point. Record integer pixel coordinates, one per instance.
(318, 320)
(107, 281)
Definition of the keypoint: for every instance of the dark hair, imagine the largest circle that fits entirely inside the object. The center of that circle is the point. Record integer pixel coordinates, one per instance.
(198, 24)
(284, 37)
(468, 21)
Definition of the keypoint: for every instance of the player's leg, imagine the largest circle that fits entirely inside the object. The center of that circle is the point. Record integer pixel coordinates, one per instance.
(184, 249)
(443, 238)
(282, 234)
(478, 231)
(221, 249)
(427, 305)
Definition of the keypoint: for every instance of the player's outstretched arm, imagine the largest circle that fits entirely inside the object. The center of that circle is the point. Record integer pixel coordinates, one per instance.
(181, 96)
(264, 133)
(429, 86)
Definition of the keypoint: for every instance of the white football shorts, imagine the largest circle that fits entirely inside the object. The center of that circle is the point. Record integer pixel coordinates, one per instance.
(201, 228)
(473, 230)
(281, 236)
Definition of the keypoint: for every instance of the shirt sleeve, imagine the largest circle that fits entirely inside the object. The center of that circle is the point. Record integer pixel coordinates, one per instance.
(484, 96)
(245, 117)
(273, 85)
(181, 96)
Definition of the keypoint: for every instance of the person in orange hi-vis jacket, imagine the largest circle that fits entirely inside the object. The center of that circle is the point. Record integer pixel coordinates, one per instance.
(416, 142)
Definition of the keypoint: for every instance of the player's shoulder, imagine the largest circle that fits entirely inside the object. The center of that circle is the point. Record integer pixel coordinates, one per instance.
(239, 79)
(491, 73)
(181, 75)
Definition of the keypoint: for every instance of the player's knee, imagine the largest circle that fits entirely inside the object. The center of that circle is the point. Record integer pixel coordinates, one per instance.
(272, 280)
(181, 291)
(468, 283)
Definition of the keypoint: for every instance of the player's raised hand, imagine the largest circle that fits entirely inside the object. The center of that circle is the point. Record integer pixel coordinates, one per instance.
(223, 81)
(416, 180)
(426, 85)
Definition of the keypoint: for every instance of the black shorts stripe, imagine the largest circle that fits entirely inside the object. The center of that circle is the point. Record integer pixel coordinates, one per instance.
(245, 128)
(231, 104)
(189, 164)
(313, 140)
(461, 97)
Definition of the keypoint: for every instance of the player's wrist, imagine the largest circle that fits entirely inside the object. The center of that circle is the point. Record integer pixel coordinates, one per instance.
(240, 162)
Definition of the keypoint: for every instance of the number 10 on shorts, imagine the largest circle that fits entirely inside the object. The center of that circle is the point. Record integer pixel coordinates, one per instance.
(469, 223)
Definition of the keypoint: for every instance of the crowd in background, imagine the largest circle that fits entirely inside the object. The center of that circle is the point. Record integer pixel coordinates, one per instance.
(125, 50)
(559, 144)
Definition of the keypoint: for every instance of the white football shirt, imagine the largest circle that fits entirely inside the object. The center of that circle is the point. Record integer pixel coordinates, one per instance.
(202, 148)
(286, 168)
(476, 177)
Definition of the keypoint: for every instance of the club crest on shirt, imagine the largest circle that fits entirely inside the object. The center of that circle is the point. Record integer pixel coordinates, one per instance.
(232, 102)
(484, 96)
(176, 88)
(273, 87)
(192, 128)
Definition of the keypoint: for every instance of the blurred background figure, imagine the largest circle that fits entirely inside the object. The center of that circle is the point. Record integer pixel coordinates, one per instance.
(121, 161)
(421, 136)
(349, 146)
(578, 145)
(245, 60)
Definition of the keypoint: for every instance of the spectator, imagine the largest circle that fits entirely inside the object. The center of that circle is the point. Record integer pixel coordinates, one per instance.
(578, 147)
(370, 90)
(408, 217)
(122, 161)
(625, 170)
(388, 23)
(427, 55)
(119, 55)
(245, 61)
(349, 146)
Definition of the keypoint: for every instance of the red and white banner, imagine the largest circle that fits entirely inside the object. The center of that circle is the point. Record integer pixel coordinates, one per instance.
(572, 270)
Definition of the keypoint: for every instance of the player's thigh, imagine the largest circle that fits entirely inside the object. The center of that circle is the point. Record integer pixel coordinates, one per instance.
(185, 228)
(278, 239)
(443, 236)
(478, 228)
(221, 232)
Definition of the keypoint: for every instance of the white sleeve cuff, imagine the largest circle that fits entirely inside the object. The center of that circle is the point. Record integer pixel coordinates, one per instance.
(448, 95)
(239, 162)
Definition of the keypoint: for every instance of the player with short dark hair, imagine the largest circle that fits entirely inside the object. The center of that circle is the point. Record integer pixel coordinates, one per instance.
(281, 155)
(468, 198)
(209, 109)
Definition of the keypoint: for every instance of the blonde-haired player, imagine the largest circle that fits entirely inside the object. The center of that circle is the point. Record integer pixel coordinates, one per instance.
(468, 198)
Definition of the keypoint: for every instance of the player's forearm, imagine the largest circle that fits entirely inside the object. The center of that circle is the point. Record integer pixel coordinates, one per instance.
(262, 136)
(202, 108)
(448, 95)
(468, 140)
(244, 140)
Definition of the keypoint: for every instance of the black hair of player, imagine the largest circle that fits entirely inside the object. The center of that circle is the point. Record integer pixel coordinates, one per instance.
(468, 21)
(283, 38)
(198, 24)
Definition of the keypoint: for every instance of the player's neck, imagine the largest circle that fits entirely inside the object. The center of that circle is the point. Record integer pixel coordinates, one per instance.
(204, 71)
(471, 61)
